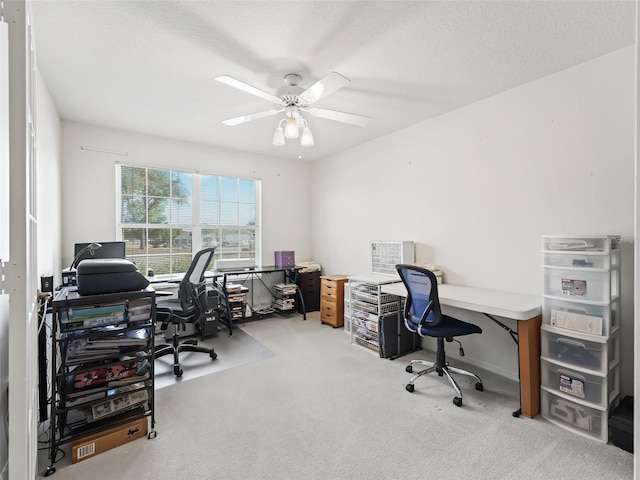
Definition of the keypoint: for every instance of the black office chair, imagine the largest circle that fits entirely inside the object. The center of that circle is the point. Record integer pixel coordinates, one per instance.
(190, 308)
(422, 315)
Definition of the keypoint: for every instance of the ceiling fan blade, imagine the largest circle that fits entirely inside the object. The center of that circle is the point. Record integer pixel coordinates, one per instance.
(329, 84)
(245, 87)
(251, 116)
(351, 118)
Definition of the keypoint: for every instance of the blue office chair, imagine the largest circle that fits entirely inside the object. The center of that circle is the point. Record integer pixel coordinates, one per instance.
(422, 315)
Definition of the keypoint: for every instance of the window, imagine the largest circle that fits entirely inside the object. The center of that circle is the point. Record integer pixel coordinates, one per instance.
(165, 216)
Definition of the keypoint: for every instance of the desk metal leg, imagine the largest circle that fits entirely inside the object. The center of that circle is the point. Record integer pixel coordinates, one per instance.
(527, 338)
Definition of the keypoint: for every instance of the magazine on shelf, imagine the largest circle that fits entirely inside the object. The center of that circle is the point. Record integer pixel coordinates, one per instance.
(233, 288)
(84, 392)
(101, 373)
(104, 393)
(139, 336)
(116, 405)
(93, 323)
(95, 347)
(80, 314)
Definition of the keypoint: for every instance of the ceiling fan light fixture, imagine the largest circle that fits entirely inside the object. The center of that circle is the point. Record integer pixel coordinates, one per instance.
(291, 129)
(278, 136)
(307, 138)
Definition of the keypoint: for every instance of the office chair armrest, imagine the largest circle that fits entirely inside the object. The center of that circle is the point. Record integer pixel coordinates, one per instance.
(425, 314)
(423, 318)
(167, 315)
(407, 306)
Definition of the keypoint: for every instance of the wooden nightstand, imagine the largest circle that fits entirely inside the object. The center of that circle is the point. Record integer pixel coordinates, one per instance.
(332, 299)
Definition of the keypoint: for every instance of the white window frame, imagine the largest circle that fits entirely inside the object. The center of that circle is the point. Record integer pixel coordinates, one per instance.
(195, 226)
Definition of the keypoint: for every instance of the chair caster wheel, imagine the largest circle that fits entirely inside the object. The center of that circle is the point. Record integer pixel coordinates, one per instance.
(49, 471)
(479, 387)
(213, 355)
(177, 371)
(409, 387)
(457, 401)
(409, 369)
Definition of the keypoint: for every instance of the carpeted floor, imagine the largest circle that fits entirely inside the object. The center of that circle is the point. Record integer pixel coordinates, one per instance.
(321, 408)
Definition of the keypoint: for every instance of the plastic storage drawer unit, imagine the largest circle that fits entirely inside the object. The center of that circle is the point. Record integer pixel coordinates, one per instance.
(580, 284)
(583, 260)
(593, 319)
(598, 243)
(574, 351)
(597, 389)
(285, 258)
(574, 416)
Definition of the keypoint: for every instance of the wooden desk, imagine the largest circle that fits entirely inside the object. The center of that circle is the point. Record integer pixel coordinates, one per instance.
(526, 309)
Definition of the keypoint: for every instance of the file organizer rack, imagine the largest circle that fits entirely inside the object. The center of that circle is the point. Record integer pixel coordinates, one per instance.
(102, 364)
(374, 320)
(580, 338)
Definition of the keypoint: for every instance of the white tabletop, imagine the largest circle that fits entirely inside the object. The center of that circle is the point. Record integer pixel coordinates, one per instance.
(503, 304)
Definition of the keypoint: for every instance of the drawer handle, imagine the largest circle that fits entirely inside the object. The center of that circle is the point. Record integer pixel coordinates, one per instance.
(573, 343)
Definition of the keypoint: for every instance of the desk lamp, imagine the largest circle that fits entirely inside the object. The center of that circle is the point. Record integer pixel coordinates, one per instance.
(69, 274)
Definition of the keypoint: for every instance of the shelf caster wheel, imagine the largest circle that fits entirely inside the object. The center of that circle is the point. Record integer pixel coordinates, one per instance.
(457, 401)
(213, 355)
(409, 387)
(409, 369)
(49, 471)
(177, 371)
(152, 434)
(479, 387)
(517, 413)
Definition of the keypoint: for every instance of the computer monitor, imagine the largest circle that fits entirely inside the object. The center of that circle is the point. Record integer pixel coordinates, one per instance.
(107, 250)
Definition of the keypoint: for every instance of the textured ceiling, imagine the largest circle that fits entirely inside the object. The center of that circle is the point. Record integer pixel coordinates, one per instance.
(149, 66)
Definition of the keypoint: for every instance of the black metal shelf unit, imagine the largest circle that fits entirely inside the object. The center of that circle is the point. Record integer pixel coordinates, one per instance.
(102, 364)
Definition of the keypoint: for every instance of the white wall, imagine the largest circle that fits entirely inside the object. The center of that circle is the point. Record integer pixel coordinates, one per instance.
(88, 185)
(477, 187)
(48, 183)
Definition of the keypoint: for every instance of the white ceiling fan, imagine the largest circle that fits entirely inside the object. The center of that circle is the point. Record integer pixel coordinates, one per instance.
(293, 99)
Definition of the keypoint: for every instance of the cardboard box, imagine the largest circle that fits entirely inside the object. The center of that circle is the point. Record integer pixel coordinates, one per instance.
(92, 445)
(285, 258)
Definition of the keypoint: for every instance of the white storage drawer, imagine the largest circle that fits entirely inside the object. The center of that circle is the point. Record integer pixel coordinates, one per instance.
(579, 352)
(599, 243)
(581, 284)
(581, 260)
(574, 416)
(589, 387)
(576, 316)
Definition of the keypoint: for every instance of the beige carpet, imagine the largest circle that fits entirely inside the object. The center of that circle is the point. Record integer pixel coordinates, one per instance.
(321, 408)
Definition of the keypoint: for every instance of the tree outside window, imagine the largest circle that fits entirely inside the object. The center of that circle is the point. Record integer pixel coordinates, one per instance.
(164, 223)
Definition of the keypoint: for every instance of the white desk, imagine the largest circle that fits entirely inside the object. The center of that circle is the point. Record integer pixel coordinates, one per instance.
(526, 309)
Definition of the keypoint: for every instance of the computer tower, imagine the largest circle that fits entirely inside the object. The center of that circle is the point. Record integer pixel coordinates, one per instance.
(395, 339)
(210, 325)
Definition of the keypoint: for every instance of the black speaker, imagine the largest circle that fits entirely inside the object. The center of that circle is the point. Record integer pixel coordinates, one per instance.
(46, 284)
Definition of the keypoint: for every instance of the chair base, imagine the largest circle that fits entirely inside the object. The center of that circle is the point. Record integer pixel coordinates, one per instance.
(190, 345)
(443, 369)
